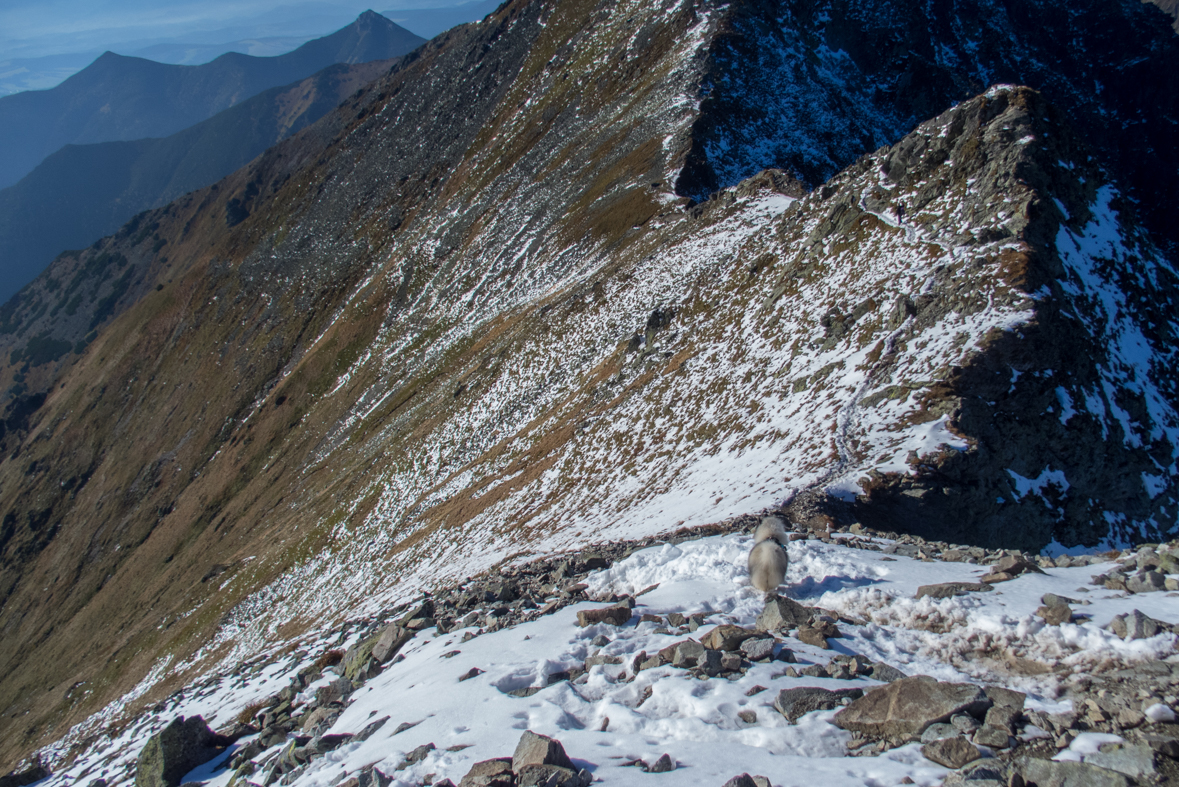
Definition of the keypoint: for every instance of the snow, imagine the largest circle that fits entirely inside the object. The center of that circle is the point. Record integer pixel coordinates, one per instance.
(603, 721)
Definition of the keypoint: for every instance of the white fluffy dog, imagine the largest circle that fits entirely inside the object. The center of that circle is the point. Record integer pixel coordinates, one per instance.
(767, 559)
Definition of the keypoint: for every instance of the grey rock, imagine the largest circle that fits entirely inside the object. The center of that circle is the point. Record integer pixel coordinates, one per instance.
(742, 780)
(33, 773)
(490, 773)
(616, 616)
(726, 637)
(335, 691)
(964, 722)
(1146, 582)
(665, 764)
(1003, 717)
(1005, 697)
(994, 737)
(885, 673)
(392, 639)
(747, 716)
(688, 654)
(322, 744)
(534, 749)
(1049, 773)
(951, 752)
(795, 703)
(758, 649)
(1135, 625)
(1137, 762)
(782, 613)
(371, 728)
(539, 775)
(909, 706)
(1055, 615)
(1164, 744)
(936, 732)
(951, 589)
(175, 750)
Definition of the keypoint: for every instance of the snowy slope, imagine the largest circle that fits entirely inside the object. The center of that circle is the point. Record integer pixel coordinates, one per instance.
(611, 717)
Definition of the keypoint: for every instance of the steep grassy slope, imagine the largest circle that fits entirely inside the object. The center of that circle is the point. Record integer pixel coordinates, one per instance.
(124, 98)
(468, 315)
(83, 192)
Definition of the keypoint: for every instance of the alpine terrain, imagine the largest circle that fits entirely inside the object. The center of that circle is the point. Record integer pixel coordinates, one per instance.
(552, 313)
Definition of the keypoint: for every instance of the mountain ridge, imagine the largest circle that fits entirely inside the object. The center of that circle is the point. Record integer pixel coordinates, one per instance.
(84, 192)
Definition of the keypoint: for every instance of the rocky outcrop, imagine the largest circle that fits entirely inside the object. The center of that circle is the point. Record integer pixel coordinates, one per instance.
(175, 750)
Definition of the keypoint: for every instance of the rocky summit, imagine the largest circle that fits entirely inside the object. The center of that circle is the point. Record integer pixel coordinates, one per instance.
(590, 272)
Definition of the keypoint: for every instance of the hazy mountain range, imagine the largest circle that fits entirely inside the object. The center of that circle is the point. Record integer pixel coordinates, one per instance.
(84, 191)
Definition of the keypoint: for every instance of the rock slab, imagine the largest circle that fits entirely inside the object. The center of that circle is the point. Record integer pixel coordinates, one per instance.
(908, 706)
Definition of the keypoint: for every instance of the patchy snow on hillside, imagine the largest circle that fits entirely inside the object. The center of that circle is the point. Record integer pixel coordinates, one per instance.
(612, 715)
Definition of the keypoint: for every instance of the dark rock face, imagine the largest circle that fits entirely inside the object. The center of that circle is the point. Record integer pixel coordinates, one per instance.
(175, 750)
(820, 84)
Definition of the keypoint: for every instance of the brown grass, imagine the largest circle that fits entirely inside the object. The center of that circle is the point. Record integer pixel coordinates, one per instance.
(248, 713)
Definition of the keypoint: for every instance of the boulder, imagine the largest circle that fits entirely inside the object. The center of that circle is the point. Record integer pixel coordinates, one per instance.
(335, 691)
(951, 752)
(908, 706)
(687, 654)
(885, 673)
(1050, 773)
(782, 613)
(392, 639)
(995, 737)
(175, 750)
(1146, 582)
(1005, 698)
(951, 589)
(490, 773)
(616, 616)
(34, 773)
(534, 749)
(795, 703)
(1135, 625)
(1056, 614)
(727, 637)
(665, 764)
(758, 648)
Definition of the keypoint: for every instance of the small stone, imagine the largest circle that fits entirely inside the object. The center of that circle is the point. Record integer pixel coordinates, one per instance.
(1055, 615)
(490, 773)
(951, 752)
(472, 672)
(730, 662)
(1134, 625)
(810, 635)
(951, 589)
(936, 732)
(665, 764)
(782, 613)
(747, 716)
(676, 619)
(687, 654)
(600, 641)
(726, 637)
(755, 690)
(415, 756)
(994, 737)
(795, 703)
(615, 616)
(964, 722)
(885, 673)
(541, 775)
(743, 780)
(1008, 698)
